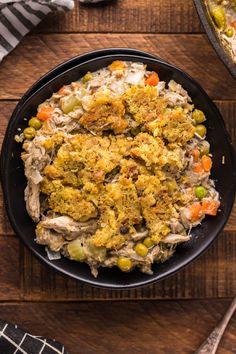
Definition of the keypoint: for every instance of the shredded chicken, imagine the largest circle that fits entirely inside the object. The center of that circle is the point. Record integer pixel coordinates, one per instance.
(68, 227)
(32, 200)
(117, 172)
(53, 240)
(175, 238)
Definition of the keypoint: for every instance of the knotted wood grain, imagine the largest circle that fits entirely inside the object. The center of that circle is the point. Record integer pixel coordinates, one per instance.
(39, 53)
(126, 16)
(161, 327)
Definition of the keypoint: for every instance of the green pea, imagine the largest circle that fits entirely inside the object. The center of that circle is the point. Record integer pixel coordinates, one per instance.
(35, 123)
(198, 116)
(29, 133)
(204, 150)
(68, 103)
(124, 263)
(229, 32)
(201, 130)
(200, 192)
(76, 251)
(141, 250)
(218, 15)
(148, 242)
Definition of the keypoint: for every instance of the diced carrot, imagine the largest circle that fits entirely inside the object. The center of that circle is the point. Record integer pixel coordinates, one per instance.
(44, 113)
(195, 211)
(198, 168)
(206, 163)
(233, 24)
(195, 153)
(152, 79)
(117, 65)
(62, 91)
(210, 207)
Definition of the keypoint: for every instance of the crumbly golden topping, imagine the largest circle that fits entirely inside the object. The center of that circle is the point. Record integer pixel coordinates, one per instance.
(118, 168)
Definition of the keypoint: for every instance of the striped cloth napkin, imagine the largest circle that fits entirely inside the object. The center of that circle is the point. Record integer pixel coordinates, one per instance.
(18, 17)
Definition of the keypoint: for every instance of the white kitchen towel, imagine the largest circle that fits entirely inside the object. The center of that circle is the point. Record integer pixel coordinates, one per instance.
(18, 17)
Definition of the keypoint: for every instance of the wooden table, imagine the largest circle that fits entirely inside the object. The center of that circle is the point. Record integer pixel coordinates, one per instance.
(175, 315)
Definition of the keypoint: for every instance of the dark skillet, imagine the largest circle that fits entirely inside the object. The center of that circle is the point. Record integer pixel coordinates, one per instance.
(14, 182)
(208, 25)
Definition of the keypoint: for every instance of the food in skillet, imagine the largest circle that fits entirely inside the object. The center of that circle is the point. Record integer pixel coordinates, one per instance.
(117, 169)
(223, 13)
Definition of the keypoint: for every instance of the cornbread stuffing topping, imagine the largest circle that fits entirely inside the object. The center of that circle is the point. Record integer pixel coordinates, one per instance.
(117, 169)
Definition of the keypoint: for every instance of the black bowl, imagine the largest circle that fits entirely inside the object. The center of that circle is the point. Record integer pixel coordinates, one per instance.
(14, 182)
(213, 37)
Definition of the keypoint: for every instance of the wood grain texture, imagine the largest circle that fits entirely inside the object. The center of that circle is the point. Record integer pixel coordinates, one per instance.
(126, 16)
(228, 111)
(212, 275)
(5, 227)
(39, 53)
(31, 294)
(9, 269)
(133, 327)
(24, 277)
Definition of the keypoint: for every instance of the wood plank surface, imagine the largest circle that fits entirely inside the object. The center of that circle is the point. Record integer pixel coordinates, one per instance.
(24, 277)
(39, 53)
(133, 327)
(10, 261)
(126, 16)
(89, 320)
(212, 275)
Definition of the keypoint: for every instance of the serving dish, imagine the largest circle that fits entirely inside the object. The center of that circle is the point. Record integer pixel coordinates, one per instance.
(207, 23)
(14, 182)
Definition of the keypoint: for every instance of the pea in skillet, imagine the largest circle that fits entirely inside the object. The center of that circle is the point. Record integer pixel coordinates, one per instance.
(223, 13)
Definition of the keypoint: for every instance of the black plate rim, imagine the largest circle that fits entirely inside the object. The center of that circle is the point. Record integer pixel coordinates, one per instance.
(213, 38)
(81, 58)
(166, 274)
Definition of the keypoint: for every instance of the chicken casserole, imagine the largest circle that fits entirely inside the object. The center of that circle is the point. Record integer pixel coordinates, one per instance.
(118, 169)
